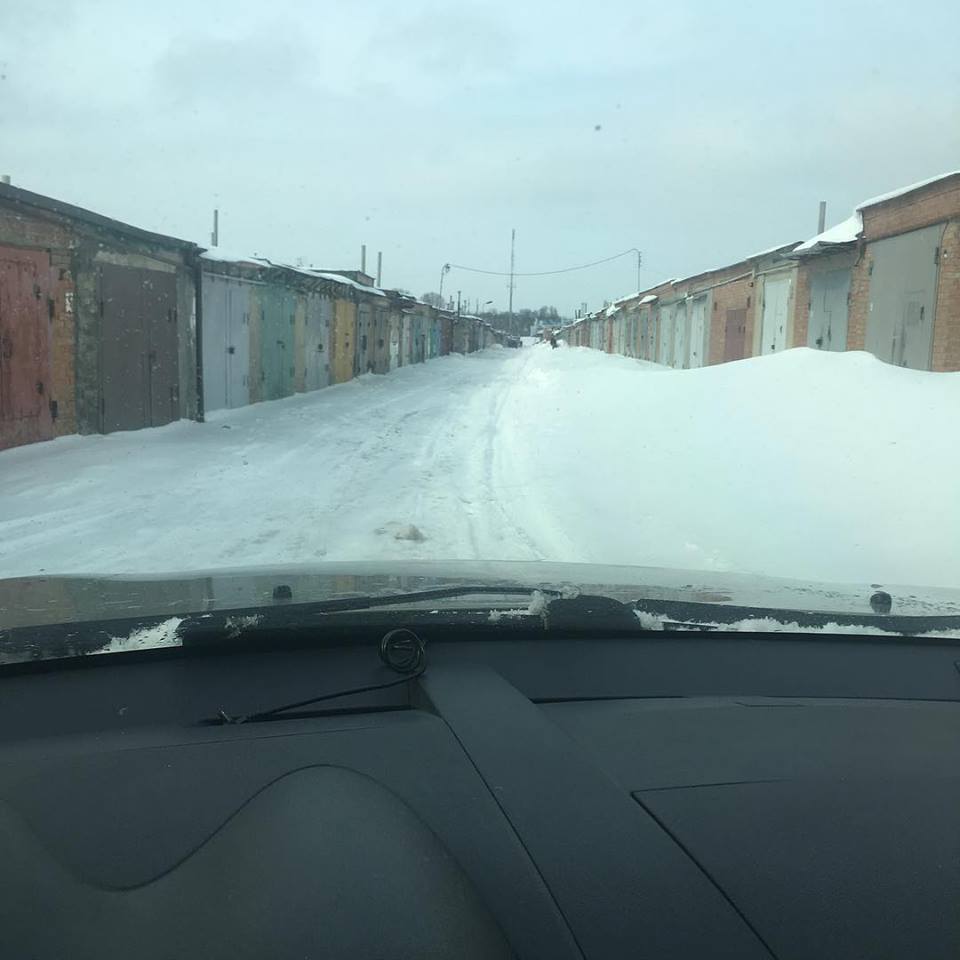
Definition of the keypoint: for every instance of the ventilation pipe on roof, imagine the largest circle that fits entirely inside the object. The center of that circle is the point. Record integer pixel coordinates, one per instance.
(379, 266)
(363, 258)
(822, 222)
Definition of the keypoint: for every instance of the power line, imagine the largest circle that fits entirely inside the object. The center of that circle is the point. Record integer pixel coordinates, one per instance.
(545, 273)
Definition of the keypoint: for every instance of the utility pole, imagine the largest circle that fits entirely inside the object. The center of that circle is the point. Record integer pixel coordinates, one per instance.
(513, 246)
(458, 303)
(639, 264)
(215, 236)
(444, 270)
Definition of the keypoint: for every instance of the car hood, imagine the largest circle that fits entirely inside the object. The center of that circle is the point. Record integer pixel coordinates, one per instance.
(42, 599)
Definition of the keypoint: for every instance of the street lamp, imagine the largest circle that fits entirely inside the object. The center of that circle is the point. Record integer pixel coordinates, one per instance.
(444, 270)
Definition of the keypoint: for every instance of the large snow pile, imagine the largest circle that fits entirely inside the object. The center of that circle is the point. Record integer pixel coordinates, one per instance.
(830, 466)
(816, 466)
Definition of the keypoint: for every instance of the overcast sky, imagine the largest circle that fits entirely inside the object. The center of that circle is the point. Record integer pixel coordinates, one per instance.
(697, 131)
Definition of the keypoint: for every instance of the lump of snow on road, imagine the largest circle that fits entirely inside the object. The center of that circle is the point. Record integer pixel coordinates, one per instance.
(159, 635)
(402, 531)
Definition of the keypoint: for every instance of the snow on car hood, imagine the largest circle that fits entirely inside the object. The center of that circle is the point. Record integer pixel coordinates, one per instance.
(34, 600)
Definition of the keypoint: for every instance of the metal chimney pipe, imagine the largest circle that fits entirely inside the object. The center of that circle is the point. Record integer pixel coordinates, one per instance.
(363, 258)
(379, 266)
(823, 217)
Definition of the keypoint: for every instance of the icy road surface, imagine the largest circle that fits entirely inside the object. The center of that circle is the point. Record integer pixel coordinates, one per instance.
(806, 465)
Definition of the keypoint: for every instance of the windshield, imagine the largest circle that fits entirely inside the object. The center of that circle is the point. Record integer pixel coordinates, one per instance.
(666, 288)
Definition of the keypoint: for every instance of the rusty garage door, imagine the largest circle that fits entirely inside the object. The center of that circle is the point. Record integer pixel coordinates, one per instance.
(139, 367)
(904, 273)
(734, 334)
(25, 312)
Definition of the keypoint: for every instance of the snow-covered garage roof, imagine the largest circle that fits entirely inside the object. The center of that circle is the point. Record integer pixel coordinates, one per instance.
(850, 229)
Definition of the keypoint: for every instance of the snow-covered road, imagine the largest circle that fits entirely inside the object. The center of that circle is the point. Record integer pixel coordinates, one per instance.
(826, 467)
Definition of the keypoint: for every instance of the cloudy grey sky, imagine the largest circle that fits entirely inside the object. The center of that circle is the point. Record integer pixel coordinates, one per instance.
(696, 130)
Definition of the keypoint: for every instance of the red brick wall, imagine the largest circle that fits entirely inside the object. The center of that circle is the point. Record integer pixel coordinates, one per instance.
(801, 304)
(730, 296)
(946, 331)
(933, 204)
(859, 302)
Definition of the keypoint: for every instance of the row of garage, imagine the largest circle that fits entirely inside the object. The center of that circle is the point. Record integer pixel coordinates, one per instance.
(886, 280)
(105, 327)
(269, 330)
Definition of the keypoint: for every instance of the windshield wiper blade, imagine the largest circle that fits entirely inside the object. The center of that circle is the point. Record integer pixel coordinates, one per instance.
(367, 601)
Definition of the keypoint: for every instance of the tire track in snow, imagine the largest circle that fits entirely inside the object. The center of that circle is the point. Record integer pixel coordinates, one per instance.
(490, 484)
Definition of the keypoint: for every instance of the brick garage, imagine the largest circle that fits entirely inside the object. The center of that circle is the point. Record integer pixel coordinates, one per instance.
(74, 253)
(932, 204)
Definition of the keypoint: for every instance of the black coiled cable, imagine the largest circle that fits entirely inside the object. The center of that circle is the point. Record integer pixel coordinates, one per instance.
(403, 650)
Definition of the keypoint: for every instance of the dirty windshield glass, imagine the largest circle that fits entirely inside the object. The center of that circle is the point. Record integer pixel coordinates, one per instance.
(647, 294)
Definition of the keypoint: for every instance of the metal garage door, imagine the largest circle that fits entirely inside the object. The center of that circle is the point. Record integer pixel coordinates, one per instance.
(776, 305)
(317, 342)
(226, 342)
(829, 300)
(24, 348)
(903, 296)
(665, 348)
(277, 321)
(139, 365)
(734, 334)
(698, 332)
(344, 330)
(681, 334)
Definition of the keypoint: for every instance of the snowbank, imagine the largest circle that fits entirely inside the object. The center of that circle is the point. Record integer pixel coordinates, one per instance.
(812, 466)
(820, 466)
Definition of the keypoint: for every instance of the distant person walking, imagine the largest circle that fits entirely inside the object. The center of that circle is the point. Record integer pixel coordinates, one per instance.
(553, 341)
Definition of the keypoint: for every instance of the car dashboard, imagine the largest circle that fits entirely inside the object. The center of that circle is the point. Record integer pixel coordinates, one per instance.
(678, 796)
